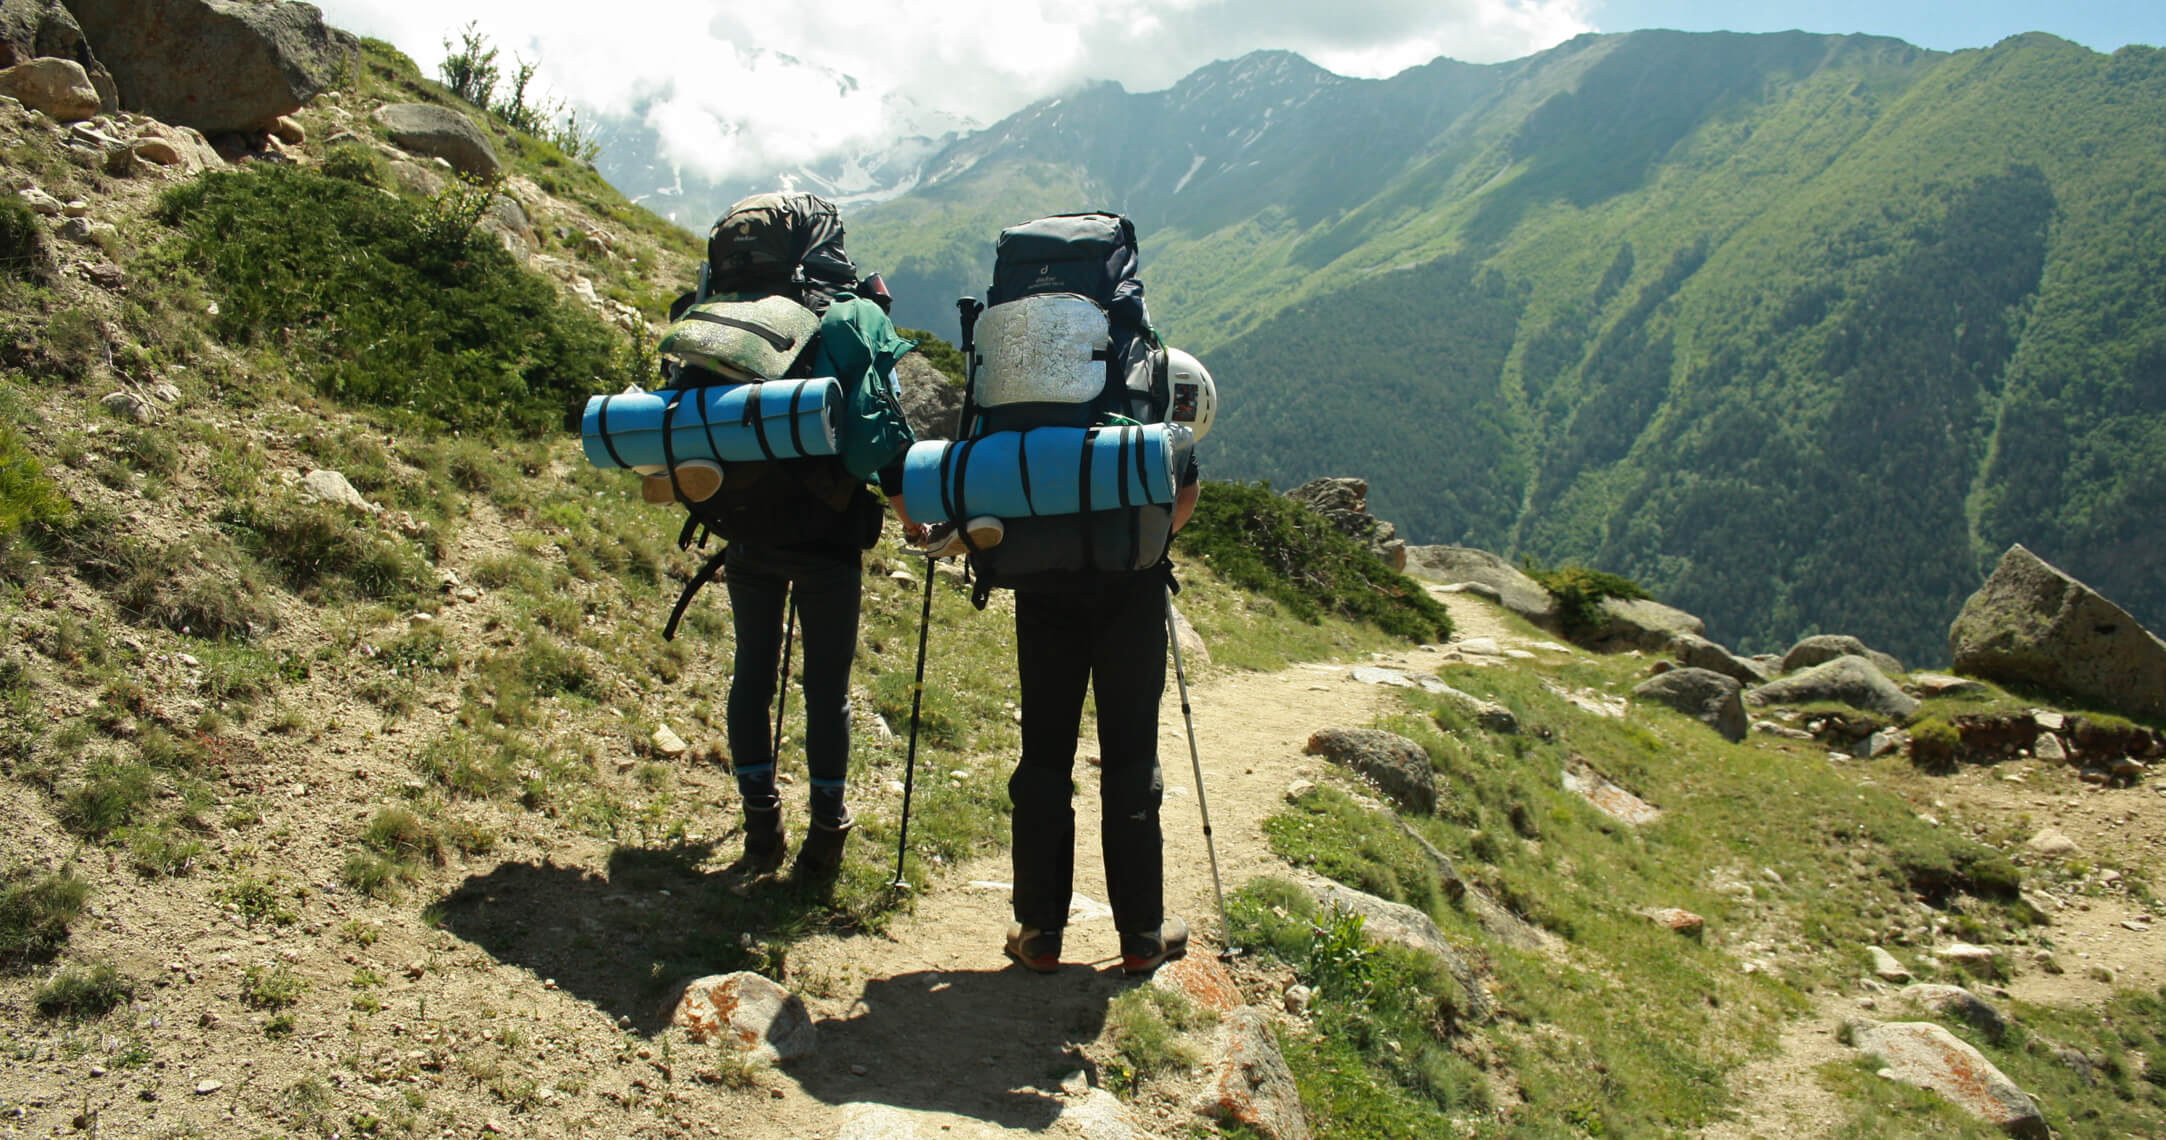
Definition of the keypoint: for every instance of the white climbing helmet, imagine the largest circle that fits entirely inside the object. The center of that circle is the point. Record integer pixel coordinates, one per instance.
(1194, 396)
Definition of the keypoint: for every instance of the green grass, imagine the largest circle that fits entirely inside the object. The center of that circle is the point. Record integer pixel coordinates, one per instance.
(83, 992)
(271, 987)
(1151, 1030)
(35, 910)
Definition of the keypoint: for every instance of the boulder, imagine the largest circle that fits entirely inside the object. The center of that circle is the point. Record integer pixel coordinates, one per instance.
(58, 87)
(1924, 1055)
(1853, 681)
(1344, 501)
(1678, 919)
(333, 487)
(2031, 624)
(1251, 1086)
(45, 29)
(930, 402)
(1702, 694)
(1397, 765)
(184, 147)
(748, 1013)
(1826, 647)
(1511, 588)
(1638, 623)
(1886, 967)
(1696, 652)
(440, 132)
(216, 65)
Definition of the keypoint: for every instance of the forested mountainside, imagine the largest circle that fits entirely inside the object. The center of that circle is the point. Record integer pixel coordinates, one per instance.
(1799, 330)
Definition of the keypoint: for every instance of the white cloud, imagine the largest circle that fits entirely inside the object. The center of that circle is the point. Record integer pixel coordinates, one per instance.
(736, 87)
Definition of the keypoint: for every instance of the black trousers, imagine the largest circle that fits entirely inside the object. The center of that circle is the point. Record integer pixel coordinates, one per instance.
(1110, 637)
(827, 582)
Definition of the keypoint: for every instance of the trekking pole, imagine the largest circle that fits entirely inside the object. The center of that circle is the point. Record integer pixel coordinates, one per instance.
(782, 686)
(1173, 640)
(910, 760)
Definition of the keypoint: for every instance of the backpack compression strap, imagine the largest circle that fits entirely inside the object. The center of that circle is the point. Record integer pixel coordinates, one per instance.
(601, 428)
(775, 340)
(1083, 517)
(707, 573)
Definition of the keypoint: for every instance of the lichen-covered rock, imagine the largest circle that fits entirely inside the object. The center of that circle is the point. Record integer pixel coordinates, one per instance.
(1924, 1055)
(930, 402)
(2033, 625)
(1344, 500)
(746, 1012)
(1397, 765)
(216, 65)
(1853, 681)
(1251, 1085)
(1823, 648)
(1702, 694)
(1642, 624)
(440, 132)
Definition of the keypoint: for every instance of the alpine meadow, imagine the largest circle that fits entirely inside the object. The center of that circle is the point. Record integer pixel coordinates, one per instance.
(1798, 331)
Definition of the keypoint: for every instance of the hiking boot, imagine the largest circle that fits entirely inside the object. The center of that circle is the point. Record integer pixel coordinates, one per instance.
(820, 855)
(1033, 949)
(699, 479)
(1145, 951)
(764, 839)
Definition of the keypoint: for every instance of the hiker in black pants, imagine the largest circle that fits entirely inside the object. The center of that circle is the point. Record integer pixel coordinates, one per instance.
(1105, 631)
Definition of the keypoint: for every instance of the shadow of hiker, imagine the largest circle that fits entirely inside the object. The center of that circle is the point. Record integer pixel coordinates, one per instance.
(620, 939)
(990, 1045)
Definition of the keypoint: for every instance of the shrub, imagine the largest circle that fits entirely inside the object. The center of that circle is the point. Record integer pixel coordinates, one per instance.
(35, 911)
(317, 545)
(1282, 549)
(22, 240)
(274, 988)
(371, 309)
(357, 163)
(110, 797)
(1579, 592)
(83, 993)
(28, 499)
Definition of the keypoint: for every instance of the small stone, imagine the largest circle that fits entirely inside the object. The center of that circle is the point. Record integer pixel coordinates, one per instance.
(494, 1127)
(1480, 647)
(207, 1087)
(76, 208)
(1298, 998)
(467, 594)
(41, 202)
(1682, 921)
(2048, 748)
(1076, 1083)
(859, 1070)
(668, 743)
(1886, 967)
(1299, 788)
(2052, 841)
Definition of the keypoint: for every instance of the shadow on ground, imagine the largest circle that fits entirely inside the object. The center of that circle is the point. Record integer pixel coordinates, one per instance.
(621, 939)
(990, 1045)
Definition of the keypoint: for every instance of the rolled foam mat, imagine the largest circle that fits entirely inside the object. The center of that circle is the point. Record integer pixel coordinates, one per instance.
(1043, 471)
(774, 419)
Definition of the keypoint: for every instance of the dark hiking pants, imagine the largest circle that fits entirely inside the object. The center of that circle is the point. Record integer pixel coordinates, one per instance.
(827, 583)
(1110, 637)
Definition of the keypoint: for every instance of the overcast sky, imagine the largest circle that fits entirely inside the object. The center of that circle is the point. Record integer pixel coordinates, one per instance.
(743, 88)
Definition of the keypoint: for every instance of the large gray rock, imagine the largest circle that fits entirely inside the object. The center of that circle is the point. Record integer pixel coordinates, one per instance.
(2031, 624)
(1507, 583)
(1853, 681)
(58, 87)
(1345, 501)
(1826, 647)
(1957, 1002)
(35, 29)
(1396, 764)
(1638, 623)
(215, 65)
(440, 132)
(1696, 652)
(930, 402)
(1702, 694)
(1251, 1086)
(1924, 1055)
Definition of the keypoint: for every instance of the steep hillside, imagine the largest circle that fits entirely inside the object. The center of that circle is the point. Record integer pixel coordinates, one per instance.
(1799, 330)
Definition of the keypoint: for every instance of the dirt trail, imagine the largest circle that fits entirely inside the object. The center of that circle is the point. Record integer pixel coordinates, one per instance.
(929, 1031)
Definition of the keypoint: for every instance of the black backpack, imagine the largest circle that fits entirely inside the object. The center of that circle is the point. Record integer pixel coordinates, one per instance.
(1064, 340)
(781, 243)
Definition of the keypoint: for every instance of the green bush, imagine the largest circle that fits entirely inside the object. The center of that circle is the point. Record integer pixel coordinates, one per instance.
(35, 911)
(1280, 548)
(373, 308)
(1579, 592)
(28, 499)
(110, 797)
(939, 353)
(355, 162)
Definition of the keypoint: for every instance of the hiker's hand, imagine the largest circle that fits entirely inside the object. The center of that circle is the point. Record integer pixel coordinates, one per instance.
(916, 534)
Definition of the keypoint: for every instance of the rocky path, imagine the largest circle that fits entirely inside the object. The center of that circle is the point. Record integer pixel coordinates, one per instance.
(928, 1031)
